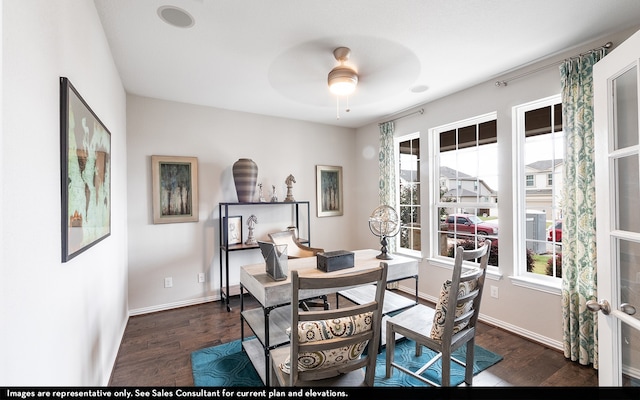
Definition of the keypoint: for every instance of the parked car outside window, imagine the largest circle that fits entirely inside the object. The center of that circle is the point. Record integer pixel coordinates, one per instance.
(469, 223)
(554, 233)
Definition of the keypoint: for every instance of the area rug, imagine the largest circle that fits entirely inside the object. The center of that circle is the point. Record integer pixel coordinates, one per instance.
(227, 365)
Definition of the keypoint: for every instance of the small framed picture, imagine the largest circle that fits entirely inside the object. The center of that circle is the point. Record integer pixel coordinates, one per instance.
(175, 189)
(329, 190)
(233, 230)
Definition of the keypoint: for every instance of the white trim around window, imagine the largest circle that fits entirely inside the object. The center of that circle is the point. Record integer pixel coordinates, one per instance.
(521, 277)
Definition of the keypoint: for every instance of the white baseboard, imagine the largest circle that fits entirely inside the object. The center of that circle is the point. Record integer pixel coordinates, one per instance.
(177, 304)
(533, 336)
(114, 355)
(632, 372)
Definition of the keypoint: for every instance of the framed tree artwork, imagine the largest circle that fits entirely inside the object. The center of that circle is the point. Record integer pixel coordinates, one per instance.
(175, 189)
(85, 174)
(329, 191)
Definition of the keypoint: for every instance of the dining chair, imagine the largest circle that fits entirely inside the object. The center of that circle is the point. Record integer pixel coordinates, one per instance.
(448, 326)
(334, 347)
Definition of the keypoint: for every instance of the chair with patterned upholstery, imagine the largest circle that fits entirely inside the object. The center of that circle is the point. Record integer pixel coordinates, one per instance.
(331, 347)
(448, 326)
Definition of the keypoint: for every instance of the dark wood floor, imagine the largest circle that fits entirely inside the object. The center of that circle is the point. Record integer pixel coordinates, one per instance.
(156, 349)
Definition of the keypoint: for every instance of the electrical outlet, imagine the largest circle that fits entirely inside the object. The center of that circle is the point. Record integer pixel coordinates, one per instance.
(168, 282)
(201, 277)
(494, 292)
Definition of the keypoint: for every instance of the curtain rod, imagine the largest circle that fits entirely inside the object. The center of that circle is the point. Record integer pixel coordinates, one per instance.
(506, 81)
(420, 111)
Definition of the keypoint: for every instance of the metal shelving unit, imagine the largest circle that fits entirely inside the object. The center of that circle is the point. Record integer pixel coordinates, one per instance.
(226, 248)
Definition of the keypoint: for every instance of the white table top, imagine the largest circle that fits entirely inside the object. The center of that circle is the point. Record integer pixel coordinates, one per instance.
(270, 292)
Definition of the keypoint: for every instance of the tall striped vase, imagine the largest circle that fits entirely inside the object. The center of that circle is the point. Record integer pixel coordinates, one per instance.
(245, 177)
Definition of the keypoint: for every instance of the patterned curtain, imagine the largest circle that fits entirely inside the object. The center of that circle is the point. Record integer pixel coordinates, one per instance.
(580, 328)
(387, 165)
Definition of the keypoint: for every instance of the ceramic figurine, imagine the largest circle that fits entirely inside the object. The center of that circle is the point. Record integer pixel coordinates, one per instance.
(261, 198)
(251, 222)
(290, 181)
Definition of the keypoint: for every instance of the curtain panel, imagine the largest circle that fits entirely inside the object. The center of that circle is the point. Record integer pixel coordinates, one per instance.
(580, 328)
(387, 166)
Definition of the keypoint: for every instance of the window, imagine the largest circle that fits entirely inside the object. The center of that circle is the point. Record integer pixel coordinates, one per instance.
(540, 152)
(465, 204)
(529, 179)
(408, 178)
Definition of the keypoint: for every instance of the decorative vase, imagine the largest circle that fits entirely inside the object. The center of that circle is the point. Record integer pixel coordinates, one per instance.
(245, 176)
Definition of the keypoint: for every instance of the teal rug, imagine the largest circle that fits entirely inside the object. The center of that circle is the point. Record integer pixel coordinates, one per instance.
(227, 365)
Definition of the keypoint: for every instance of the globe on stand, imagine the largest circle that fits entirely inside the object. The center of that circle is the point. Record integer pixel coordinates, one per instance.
(384, 223)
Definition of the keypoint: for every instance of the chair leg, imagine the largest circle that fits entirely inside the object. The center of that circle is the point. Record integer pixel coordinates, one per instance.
(468, 375)
(446, 368)
(390, 348)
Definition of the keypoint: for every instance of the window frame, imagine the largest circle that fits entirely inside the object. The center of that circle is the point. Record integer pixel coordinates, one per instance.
(433, 218)
(396, 143)
(520, 276)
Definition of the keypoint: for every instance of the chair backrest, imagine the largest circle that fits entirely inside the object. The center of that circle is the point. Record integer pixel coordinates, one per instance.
(294, 248)
(321, 337)
(465, 300)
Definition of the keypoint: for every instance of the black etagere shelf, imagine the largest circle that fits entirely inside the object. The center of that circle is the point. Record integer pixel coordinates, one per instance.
(298, 207)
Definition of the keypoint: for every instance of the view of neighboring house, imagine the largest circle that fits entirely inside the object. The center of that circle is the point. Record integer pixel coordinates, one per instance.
(467, 189)
(540, 176)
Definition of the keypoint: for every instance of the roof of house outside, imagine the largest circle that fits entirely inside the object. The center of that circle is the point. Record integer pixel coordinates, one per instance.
(545, 165)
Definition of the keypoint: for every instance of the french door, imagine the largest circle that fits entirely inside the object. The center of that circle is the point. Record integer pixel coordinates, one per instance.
(617, 146)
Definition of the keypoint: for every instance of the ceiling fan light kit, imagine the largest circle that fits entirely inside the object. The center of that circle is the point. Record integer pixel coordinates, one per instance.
(342, 79)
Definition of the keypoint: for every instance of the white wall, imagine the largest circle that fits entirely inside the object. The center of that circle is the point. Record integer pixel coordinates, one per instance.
(61, 322)
(531, 313)
(218, 138)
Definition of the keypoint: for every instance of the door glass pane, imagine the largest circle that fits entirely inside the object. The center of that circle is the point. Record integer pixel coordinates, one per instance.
(628, 193)
(629, 265)
(626, 109)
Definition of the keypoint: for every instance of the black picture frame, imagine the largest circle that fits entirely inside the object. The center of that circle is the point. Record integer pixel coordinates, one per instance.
(85, 174)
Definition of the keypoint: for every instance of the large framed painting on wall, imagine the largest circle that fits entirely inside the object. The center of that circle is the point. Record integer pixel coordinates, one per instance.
(85, 178)
(329, 190)
(175, 189)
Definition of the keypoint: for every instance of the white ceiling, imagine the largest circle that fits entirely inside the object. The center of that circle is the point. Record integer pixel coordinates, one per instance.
(272, 57)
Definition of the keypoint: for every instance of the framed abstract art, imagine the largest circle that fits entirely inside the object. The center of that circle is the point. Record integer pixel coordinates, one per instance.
(175, 189)
(329, 190)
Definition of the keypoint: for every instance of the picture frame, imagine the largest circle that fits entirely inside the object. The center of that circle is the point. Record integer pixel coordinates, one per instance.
(329, 201)
(85, 174)
(233, 231)
(175, 189)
